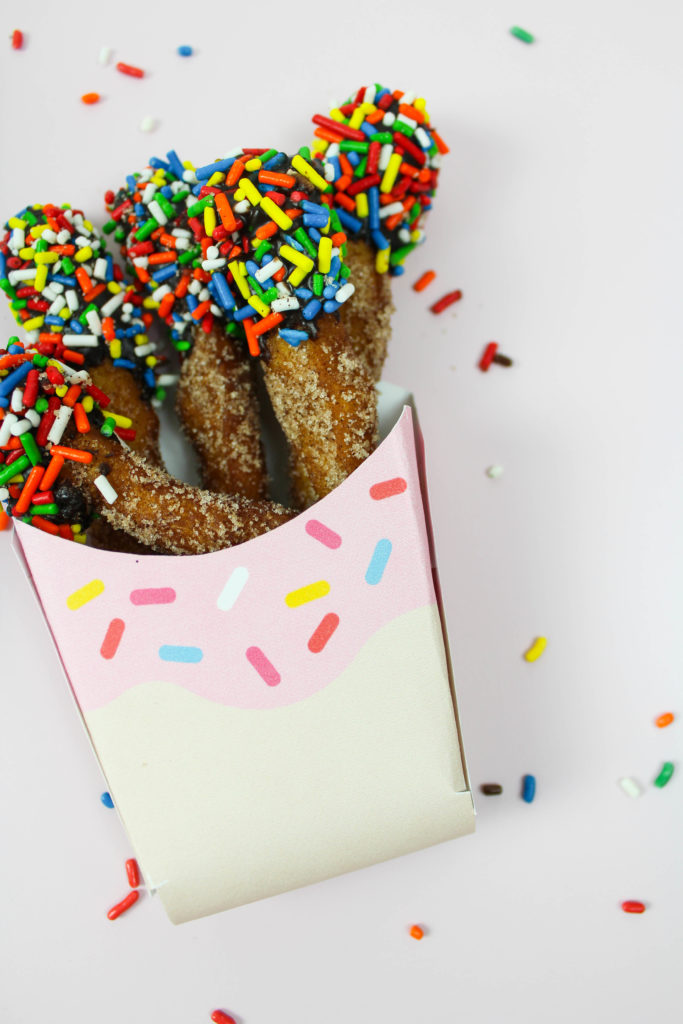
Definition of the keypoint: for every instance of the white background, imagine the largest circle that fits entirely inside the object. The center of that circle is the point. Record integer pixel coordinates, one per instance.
(560, 218)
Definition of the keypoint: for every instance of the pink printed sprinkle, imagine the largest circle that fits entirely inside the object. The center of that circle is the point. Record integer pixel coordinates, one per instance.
(318, 530)
(257, 659)
(323, 633)
(112, 638)
(153, 595)
(388, 488)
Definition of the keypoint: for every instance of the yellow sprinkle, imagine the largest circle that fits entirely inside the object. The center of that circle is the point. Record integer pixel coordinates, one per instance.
(188, 165)
(34, 323)
(17, 222)
(391, 172)
(84, 594)
(239, 272)
(273, 211)
(250, 191)
(141, 339)
(114, 287)
(337, 115)
(28, 253)
(37, 230)
(362, 209)
(326, 229)
(209, 220)
(324, 255)
(18, 479)
(61, 390)
(415, 235)
(382, 261)
(298, 276)
(88, 225)
(310, 173)
(357, 117)
(41, 277)
(120, 421)
(150, 303)
(83, 254)
(319, 145)
(238, 195)
(253, 165)
(536, 650)
(420, 103)
(115, 348)
(292, 255)
(76, 528)
(158, 178)
(151, 360)
(88, 403)
(45, 257)
(305, 594)
(80, 538)
(64, 313)
(259, 305)
(54, 329)
(216, 178)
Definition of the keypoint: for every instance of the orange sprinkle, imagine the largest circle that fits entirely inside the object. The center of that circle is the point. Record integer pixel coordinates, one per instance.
(4, 519)
(73, 357)
(375, 116)
(328, 135)
(272, 178)
(29, 489)
(252, 339)
(161, 257)
(235, 173)
(416, 932)
(52, 472)
(225, 212)
(142, 274)
(183, 285)
(423, 281)
(266, 230)
(73, 454)
(268, 322)
(90, 97)
(417, 115)
(441, 145)
(83, 279)
(168, 240)
(92, 293)
(45, 525)
(72, 396)
(81, 419)
(108, 328)
(166, 305)
(664, 720)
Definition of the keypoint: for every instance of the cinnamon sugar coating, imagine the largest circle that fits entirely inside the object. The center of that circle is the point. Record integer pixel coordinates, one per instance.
(367, 314)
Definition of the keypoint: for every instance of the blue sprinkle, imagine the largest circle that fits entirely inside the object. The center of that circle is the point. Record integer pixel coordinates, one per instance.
(14, 350)
(3, 265)
(245, 312)
(223, 294)
(336, 165)
(54, 321)
(64, 279)
(311, 310)
(185, 51)
(109, 273)
(186, 655)
(293, 338)
(267, 258)
(4, 402)
(378, 562)
(252, 267)
(303, 293)
(335, 267)
(131, 182)
(167, 192)
(262, 187)
(205, 172)
(397, 271)
(373, 207)
(379, 240)
(279, 160)
(310, 207)
(379, 94)
(191, 301)
(369, 129)
(163, 273)
(329, 291)
(528, 788)
(9, 383)
(128, 364)
(175, 164)
(353, 158)
(350, 222)
(316, 220)
(196, 189)
(314, 235)
(294, 244)
(158, 164)
(107, 800)
(139, 210)
(331, 306)
(76, 326)
(149, 377)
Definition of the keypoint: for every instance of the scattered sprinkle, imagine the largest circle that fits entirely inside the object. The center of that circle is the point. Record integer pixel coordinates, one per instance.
(521, 34)
(633, 907)
(664, 775)
(90, 97)
(236, 583)
(500, 360)
(528, 788)
(104, 55)
(148, 124)
(487, 358)
(664, 720)
(17, 38)
(105, 488)
(185, 51)
(219, 1017)
(125, 904)
(536, 650)
(491, 789)
(494, 472)
(107, 800)
(447, 300)
(133, 873)
(631, 787)
(416, 932)
(423, 281)
(130, 69)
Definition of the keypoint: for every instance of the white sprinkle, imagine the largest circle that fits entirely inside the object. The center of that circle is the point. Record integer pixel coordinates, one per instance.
(145, 350)
(148, 194)
(216, 310)
(72, 300)
(369, 94)
(105, 489)
(388, 119)
(242, 207)
(329, 171)
(191, 178)
(62, 417)
(204, 295)
(80, 341)
(21, 275)
(17, 239)
(390, 209)
(422, 137)
(494, 472)
(384, 156)
(181, 233)
(4, 494)
(157, 212)
(141, 261)
(194, 287)
(283, 305)
(22, 427)
(183, 243)
(101, 268)
(167, 380)
(148, 124)
(63, 237)
(345, 292)
(233, 588)
(94, 322)
(159, 292)
(52, 291)
(631, 787)
(17, 400)
(263, 273)
(403, 234)
(6, 427)
(408, 97)
(212, 252)
(104, 55)
(411, 122)
(332, 150)
(33, 416)
(49, 236)
(111, 304)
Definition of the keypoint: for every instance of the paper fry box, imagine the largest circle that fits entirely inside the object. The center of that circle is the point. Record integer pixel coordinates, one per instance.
(276, 713)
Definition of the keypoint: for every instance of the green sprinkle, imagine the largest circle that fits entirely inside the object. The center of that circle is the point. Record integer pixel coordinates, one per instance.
(255, 286)
(31, 448)
(160, 394)
(83, 317)
(345, 271)
(232, 328)
(197, 208)
(40, 361)
(664, 775)
(351, 146)
(335, 222)
(302, 237)
(399, 255)
(360, 170)
(183, 346)
(120, 235)
(263, 248)
(382, 137)
(405, 129)
(30, 217)
(18, 304)
(108, 426)
(164, 204)
(269, 295)
(44, 510)
(41, 403)
(318, 284)
(146, 229)
(521, 33)
(18, 466)
(67, 266)
(7, 288)
(305, 152)
(265, 157)
(41, 245)
(179, 196)
(415, 211)
(109, 227)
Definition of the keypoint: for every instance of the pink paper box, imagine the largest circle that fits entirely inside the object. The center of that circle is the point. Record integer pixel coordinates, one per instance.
(276, 713)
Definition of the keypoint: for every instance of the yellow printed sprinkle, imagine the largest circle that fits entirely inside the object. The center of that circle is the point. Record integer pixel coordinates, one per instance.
(312, 592)
(84, 594)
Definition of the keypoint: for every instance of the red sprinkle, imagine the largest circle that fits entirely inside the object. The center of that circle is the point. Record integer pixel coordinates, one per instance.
(129, 69)
(447, 301)
(132, 871)
(487, 358)
(112, 639)
(125, 904)
(423, 281)
(218, 1017)
(633, 907)
(17, 39)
